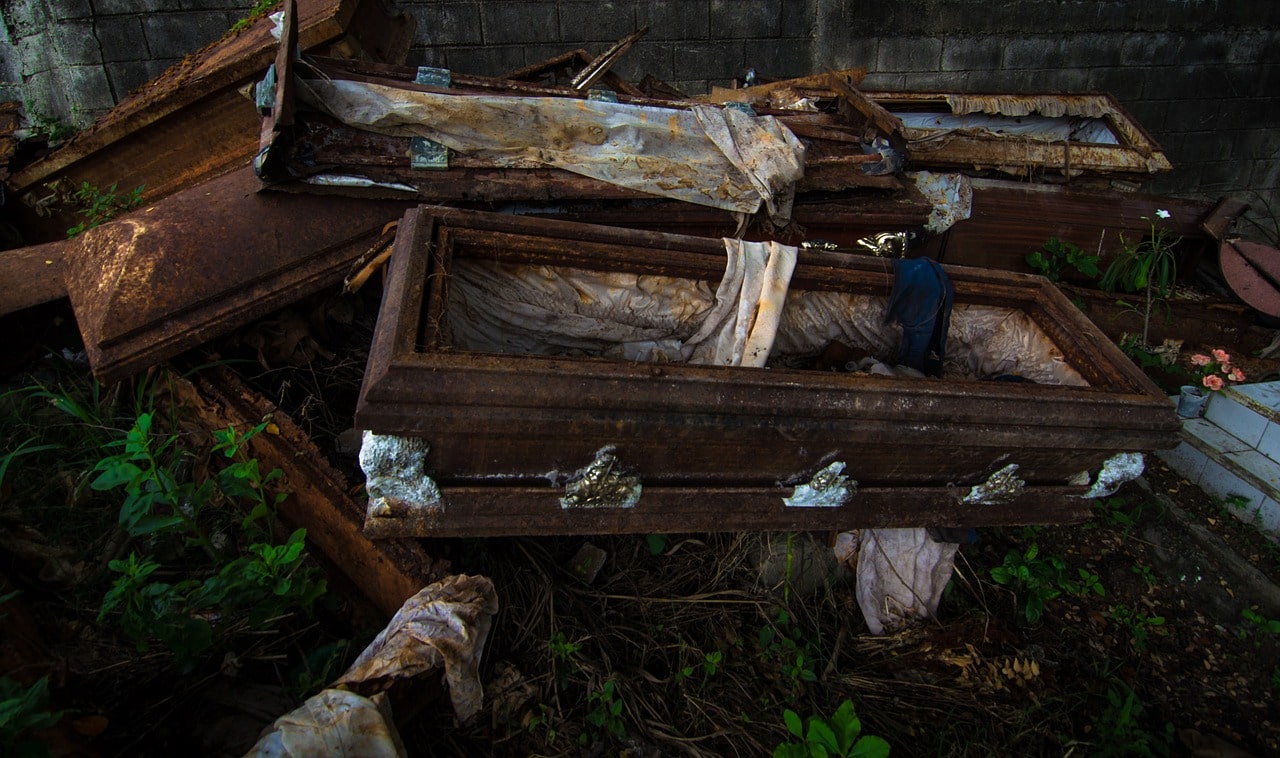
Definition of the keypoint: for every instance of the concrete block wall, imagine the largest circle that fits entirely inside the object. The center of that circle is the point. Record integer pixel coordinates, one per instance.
(70, 61)
(1202, 76)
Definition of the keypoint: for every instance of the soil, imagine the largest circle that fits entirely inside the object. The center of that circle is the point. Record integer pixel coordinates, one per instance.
(680, 646)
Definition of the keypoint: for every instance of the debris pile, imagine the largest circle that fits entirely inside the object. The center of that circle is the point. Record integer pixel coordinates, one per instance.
(610, 307)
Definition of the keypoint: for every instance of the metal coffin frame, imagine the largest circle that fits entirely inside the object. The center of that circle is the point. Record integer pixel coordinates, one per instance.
(719, 448)
(1137, 157)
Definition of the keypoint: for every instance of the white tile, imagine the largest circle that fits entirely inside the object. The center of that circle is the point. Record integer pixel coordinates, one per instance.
(1186, 460)
(1237, 419)
(1221, 483)
(1209, 436)
(1263, 396)
(1269, 445)
(1269, 518)
(1262, 468)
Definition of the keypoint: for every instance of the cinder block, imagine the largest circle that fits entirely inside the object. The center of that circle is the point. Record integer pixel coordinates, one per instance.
(1266, 175)
(592, 21)
(971, 53)
(35, 56)
(799, 20)
(1254, 46)
(909, 54)
(735, 19)
(130, 7)
(692, 87)
(173, 35)
(1186, 460)
(447, 23)
(1187, 82)
(519, 23)
(849, 52)
(722, 60)
(1125, 84)
(1148, 49)
(1034, 52)
(127, 76)
(122, 39)
(1223, 176)
(648, 58)
(489, 60)
(88, 88)
(1206, 48)
(779, 60)
(1091, 50)
(61, 10)
(891, 82)
(427, 55)
(675, 19)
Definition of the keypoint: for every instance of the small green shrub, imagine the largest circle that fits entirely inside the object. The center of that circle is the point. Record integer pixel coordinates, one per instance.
(98, 207)
(1056, 257)
(841, 736)
(24, 710)
(1033, 578)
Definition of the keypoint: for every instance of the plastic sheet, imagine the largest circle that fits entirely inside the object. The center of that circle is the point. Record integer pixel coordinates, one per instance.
(706, 155)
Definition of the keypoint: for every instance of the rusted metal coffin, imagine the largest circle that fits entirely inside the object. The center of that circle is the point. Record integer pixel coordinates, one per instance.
(715, 447)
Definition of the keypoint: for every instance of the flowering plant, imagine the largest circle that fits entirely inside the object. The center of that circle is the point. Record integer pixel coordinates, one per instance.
(1216, 369)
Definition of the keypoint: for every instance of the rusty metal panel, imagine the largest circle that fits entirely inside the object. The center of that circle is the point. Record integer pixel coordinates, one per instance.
(32, 275)
(207, 260)
(1010, 219)
(498, 423)
(147, 139)
(1135, 155)
(319, 145)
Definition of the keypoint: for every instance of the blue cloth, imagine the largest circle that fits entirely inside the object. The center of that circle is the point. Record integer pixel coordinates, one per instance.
(921, 301)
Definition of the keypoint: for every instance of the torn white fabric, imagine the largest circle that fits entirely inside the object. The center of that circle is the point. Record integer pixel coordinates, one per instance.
(544, 310)
(951, 196)
(334, 722)
(708, 155)
(1117, 471)
(901, 576)
(444, 626)
(741, 327)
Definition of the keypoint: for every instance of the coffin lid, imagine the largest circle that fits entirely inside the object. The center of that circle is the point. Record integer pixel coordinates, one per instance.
(207, 260)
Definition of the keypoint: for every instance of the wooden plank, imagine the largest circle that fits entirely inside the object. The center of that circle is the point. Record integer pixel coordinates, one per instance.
(387, 571)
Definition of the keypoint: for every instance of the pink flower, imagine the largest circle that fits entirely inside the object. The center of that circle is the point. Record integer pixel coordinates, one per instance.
(1213, 382)
(1221, 356)
(1237, 375)
(1200, 360)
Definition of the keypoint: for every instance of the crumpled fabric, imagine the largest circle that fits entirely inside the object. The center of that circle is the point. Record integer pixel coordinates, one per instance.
(900, 576)
(334, 722)
(444, 626)
(921, 301)
(706, 155)
(741, 327)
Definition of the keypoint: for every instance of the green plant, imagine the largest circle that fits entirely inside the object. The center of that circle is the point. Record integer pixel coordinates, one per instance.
(1149, 267)
(562, 652)
(24, 710)
(841, 736)
(1261, 625)
(1148, 575)
(1120, 731)
(186, 617)
(1121, 511)
(1138, 624)
(785, 644)
(259, 8)
(1089, 582)
(1033, 578)
(605, 716)
(98, 206)
(657, 543)
(1057, 256)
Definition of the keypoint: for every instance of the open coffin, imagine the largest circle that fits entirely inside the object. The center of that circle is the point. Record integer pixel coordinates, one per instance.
(491, 406)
